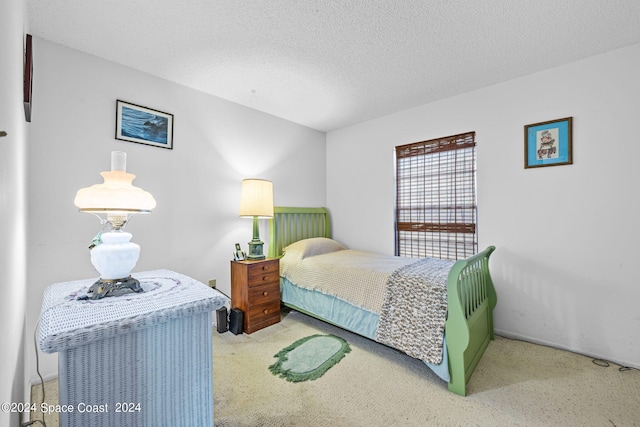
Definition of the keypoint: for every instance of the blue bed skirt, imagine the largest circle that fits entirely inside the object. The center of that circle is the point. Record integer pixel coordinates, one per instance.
(345, 315)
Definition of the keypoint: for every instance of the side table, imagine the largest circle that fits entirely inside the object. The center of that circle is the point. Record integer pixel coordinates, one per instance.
(138, 359)
(255, 289)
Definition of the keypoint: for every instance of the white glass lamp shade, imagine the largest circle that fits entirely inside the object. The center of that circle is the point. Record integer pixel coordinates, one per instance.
(115, 194)
(116, 197)
(256, 198)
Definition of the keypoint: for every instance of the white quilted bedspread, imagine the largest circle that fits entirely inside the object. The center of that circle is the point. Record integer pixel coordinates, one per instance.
(355, 276)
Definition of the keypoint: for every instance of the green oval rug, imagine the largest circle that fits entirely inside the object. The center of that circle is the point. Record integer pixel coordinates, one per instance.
(309, 358)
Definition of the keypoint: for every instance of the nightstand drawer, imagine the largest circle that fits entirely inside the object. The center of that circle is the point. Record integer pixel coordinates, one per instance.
(269, 293)
(261, 313)
(263, 279)
(264, 267)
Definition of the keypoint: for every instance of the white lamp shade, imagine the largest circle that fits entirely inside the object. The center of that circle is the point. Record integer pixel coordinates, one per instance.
(116, 193)
(256, 198)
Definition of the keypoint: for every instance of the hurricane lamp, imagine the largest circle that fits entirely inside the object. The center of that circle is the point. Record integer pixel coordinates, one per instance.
(114, 202)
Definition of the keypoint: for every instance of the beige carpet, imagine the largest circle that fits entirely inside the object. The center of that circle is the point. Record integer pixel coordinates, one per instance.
(515, 384)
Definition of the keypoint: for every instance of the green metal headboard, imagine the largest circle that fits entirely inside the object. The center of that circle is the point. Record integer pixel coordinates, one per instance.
(289, 225)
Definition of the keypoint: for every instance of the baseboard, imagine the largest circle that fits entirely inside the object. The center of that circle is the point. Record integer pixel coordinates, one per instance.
(524, 338)
(46, 378)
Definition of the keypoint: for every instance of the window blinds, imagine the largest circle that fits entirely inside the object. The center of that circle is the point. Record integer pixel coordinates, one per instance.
(436, 210)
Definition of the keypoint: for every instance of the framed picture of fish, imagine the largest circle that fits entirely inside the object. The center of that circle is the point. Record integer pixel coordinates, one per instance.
(548, 143)
(143, 125)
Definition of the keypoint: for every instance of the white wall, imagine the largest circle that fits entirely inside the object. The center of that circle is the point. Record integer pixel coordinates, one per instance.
(12, 209)
(196, 185)
(566, 236)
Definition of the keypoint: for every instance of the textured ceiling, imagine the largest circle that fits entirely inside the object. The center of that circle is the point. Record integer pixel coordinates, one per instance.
(329, 64)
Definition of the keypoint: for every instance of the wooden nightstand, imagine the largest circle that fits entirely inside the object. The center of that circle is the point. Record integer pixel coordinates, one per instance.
(255, 289)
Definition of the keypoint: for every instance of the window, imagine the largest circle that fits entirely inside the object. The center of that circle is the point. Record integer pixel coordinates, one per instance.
(436, 210)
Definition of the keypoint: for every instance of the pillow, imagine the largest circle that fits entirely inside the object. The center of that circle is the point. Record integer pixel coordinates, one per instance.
(309, 247)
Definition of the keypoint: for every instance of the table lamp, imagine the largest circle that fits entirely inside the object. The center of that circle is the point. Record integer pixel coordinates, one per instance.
(256, 201)
(114, 202)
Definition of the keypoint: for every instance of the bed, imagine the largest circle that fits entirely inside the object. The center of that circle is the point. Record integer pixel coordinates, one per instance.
(321, 278)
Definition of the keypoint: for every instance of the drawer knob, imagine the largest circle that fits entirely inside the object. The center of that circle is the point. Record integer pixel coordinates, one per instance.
(265, 277)
(265, 293)
(266, 312)
(264, 267)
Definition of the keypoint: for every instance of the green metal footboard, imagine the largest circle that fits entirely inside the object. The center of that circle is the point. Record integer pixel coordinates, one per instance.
(469, 328)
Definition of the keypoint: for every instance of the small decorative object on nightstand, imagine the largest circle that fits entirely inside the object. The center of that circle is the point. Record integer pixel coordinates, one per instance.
(255, 289)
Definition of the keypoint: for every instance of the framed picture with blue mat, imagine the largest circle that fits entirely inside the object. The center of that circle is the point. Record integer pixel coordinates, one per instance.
(548, 143)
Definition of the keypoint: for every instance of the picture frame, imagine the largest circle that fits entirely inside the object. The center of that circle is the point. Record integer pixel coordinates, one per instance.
(143, 125)
(27, 85)
(548, 143)
(239, 254)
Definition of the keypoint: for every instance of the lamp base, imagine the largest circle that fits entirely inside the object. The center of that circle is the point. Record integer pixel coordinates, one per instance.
(102, 287)
(255, 250)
